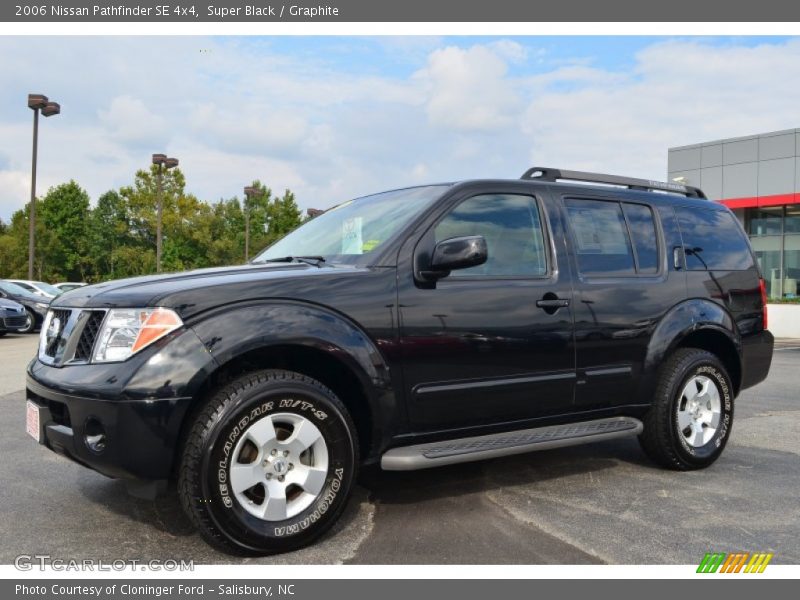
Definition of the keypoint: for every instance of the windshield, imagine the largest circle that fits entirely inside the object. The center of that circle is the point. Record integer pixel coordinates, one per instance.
(354, 228)
(13, 288)
(46, 287)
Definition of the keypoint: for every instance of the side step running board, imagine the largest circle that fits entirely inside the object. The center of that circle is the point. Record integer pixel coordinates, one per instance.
(436, 454)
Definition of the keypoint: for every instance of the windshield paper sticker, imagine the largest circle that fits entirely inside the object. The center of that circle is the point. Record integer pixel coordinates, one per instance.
(351, 236)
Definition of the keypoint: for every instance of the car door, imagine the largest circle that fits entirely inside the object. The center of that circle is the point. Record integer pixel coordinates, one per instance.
(624, 284)
(493, 343)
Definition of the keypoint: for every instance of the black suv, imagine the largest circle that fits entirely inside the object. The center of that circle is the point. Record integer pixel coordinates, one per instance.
(414, 328)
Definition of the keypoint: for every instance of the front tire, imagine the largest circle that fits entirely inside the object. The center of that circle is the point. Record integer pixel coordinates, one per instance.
(30, 322)
(268, 464)
(690, 420)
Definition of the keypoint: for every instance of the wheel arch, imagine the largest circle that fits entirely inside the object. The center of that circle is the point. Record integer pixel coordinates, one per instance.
(696, 323)
(308, 339)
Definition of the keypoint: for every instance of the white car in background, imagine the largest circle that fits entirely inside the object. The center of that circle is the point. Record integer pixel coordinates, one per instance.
(38, 287)
(66, 286)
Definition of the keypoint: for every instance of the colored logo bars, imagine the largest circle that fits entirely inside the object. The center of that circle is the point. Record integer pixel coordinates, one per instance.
(743, 562)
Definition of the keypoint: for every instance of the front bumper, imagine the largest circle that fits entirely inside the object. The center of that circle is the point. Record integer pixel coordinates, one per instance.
(12, 321)
(140, 437)
(138, 406)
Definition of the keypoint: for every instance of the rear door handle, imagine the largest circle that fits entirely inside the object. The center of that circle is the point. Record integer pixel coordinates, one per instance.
(553, 303)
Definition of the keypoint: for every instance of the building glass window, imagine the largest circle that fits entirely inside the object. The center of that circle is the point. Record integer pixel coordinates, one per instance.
(792, 222)
(764, 221)
(791, 265)
(775, 237)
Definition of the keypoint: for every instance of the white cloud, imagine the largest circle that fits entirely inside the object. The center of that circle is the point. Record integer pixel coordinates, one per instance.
(16, 188)
(678, 93)
(234, 112)
(128, 120)
(469, 90)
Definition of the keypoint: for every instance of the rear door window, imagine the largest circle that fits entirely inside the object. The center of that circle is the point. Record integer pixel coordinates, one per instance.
(642, 226)
(712, 239)
(612, 238)
(602, 244)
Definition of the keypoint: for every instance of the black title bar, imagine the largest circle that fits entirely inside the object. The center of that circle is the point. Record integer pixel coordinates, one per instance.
(169, 11)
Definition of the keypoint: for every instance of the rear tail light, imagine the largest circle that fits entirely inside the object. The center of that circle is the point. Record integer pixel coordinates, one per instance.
(762, 286)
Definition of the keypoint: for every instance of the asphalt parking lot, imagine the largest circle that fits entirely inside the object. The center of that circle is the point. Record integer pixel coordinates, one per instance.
(602, 503)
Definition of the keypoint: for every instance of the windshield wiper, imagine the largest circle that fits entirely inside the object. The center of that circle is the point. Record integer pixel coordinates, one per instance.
(315, 261)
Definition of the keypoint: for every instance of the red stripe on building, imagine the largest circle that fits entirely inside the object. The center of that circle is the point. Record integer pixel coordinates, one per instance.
(755, 201)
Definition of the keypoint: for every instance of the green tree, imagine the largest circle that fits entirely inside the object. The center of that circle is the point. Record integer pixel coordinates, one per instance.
(63, 247)
(271, 217)
(109, 233)
(117, 237)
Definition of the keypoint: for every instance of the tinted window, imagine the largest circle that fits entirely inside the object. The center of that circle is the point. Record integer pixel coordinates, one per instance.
(713, 240)
(601, 239)
(513, 232)
(645, 240)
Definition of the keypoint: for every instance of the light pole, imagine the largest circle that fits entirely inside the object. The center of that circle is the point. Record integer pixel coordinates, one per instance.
(37, 103)
(249, 192)
(163, 163)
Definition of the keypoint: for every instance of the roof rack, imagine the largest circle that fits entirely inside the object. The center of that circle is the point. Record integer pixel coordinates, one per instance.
(553, 175)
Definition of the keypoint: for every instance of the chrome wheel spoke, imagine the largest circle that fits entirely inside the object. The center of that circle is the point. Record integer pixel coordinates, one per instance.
(243, 477)
(696, 435)
(684, 419)
(262, 432)
(274, 507)
(303, 437)
(311, 479)
(714, 417)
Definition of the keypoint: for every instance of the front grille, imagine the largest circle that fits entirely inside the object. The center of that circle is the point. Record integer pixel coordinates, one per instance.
(15, 321)
(53, 343)
(68, 336)
(83, 351)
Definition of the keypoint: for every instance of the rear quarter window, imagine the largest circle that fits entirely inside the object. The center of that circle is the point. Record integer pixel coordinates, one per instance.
(713, 240)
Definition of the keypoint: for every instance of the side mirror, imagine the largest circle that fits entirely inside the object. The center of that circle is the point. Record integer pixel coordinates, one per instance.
(457, 253)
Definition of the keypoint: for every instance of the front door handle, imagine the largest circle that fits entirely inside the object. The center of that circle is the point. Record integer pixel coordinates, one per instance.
(550, 303)
(553, 303)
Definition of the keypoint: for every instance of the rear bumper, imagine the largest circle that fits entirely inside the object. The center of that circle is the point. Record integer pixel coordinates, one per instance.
(141, 436)
(756, 358)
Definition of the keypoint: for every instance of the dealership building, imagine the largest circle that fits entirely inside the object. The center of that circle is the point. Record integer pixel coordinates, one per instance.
(758, 177)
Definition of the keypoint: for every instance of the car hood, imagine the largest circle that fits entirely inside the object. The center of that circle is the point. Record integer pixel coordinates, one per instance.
(29, 298)
(191, 292)
(10, 304)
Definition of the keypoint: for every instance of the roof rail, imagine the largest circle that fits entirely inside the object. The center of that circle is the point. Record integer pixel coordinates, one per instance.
(553, 175)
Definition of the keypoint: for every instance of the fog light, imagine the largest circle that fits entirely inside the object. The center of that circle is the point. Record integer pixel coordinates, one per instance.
(94, 434)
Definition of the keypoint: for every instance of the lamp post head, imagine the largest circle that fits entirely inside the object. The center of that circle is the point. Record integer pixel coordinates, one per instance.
(170, 163)
(51, 108)
(250, 190)
(37, 101)
(159, 159)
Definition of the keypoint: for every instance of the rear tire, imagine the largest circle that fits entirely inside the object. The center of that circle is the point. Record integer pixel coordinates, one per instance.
(268, 464)
(691, 417)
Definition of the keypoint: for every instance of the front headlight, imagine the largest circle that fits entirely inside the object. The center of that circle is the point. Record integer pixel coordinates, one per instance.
(42, 305)
(125, 331)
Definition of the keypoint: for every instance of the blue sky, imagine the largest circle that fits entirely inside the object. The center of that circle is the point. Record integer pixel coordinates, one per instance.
(336, 117)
